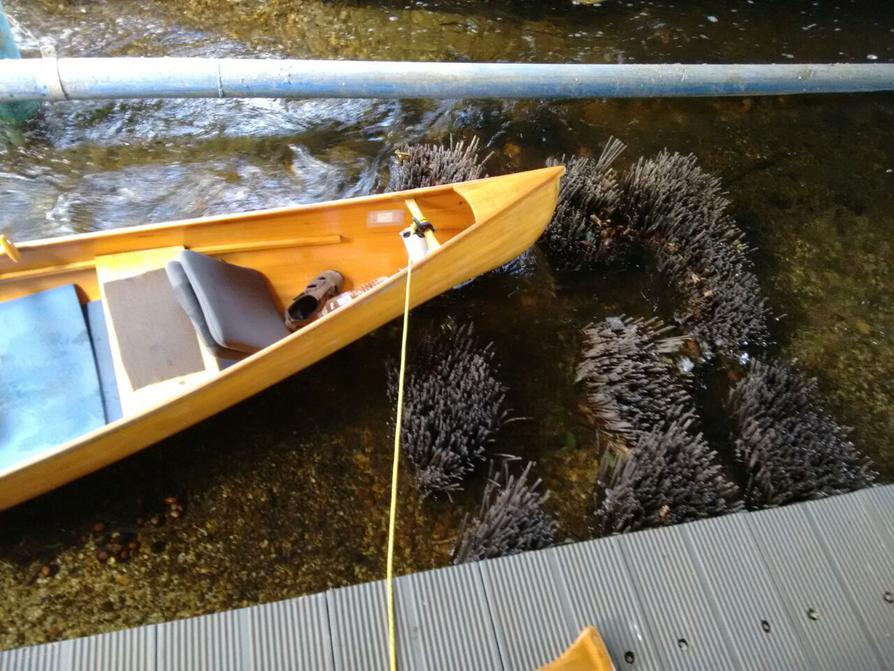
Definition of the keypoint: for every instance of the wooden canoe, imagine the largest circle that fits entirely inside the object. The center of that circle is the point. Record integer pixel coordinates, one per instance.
(480, 224)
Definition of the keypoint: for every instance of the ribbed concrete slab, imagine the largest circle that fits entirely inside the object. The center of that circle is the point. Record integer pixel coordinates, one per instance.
(815, 598)
(880, 503)
(761, 631)
(864, 560)
(291, 635)
(600, 592)
(454, 624)
(49, 657)
(530, 611)
(358, 625)
(217, 642)
(819, 576)
(132, 649)
(685, 623)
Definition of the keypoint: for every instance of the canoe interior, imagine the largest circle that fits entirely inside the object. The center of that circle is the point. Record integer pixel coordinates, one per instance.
(153, 359)
(499, 218)
(289, 246)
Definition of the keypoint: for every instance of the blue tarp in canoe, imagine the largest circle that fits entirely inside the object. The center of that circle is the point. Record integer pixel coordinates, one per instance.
(49, 386)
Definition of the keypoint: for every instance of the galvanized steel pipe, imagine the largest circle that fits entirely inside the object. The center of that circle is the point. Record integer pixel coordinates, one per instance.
(94, 78)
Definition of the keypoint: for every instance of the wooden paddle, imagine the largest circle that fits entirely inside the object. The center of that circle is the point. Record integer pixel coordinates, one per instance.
(587, 653)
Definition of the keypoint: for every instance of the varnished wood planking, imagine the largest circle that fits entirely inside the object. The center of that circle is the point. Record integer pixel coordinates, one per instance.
(348, 218)
(510, 213)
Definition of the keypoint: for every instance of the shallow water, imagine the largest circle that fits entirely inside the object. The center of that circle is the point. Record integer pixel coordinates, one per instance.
(286, 493)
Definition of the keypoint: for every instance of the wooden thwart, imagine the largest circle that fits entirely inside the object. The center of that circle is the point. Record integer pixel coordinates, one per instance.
(231, 248)
(261, 245)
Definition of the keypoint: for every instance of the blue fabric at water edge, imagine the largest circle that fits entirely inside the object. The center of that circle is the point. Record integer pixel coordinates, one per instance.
(49, 387)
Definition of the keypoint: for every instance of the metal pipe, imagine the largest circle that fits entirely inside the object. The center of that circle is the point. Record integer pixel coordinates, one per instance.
(94, 78)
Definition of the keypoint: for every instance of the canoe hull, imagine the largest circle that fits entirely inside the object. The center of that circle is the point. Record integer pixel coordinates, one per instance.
(500, 234)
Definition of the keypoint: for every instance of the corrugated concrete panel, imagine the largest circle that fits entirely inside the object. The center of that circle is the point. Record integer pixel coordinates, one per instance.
(359, 628)
(128, 649)
(880, 502)
(410, 653)
(865, 563)
(358, 623)
(530, 611)
(600, 592)
(821, 575)
(217, 642)
(49, 657)
(686, 627)
(729, 562)
(291, 635)
(814, 597)
(881, 497)
(455, 628)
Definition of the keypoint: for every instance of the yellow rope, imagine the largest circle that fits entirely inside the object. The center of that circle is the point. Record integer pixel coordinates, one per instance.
(389, 571)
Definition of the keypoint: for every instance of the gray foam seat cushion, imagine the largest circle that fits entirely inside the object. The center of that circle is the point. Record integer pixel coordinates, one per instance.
(187, 299)
(237, 307)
